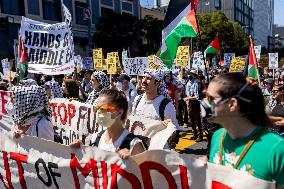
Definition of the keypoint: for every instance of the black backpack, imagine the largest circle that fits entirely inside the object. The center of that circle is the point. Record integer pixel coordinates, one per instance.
(162, 106)
(126, 142)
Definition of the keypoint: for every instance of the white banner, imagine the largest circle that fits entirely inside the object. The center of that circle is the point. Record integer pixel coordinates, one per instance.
(135, 66)
(72, 119)
(257, 50)
(5, 119)
(198, 61)
(273, 60)
(228, 58)
(49, 47)
(30, 162)
(87, 63)
(5, 65)
(153, 129)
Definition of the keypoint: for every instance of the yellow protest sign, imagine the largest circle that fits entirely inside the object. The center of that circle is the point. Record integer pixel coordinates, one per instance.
(182, 56)
(237, 64)
(98, 58)
(152, 63)
(111, 63)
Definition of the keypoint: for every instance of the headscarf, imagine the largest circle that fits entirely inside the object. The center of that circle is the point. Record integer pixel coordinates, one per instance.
(158, 75)
(29, 103)
(27, 82)
(103, 80)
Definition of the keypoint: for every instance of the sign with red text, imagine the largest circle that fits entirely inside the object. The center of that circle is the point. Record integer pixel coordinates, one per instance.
(5, 119)
(30, 162)
(72, 119)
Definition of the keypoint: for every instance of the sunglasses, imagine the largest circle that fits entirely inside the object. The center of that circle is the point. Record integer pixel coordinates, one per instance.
(211, 99)
(105, 108)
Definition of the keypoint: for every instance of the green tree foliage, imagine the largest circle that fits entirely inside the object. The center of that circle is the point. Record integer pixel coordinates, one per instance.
(231, 35)
(115, 32)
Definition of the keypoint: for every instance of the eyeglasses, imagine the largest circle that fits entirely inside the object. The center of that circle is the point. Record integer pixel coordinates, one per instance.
(105, 108)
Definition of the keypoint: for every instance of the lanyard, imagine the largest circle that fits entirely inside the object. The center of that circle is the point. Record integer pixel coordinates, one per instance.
(246, 149)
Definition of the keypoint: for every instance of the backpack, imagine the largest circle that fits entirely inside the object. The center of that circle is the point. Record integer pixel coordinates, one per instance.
(162, 106)
(126, 142)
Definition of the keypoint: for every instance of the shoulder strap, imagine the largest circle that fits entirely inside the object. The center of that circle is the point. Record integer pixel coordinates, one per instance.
(37, 125)
(138, 100)
(126, 141)
(97, 141)
(162, 107)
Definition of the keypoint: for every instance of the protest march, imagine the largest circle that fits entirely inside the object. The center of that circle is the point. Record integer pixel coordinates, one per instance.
(183, 117)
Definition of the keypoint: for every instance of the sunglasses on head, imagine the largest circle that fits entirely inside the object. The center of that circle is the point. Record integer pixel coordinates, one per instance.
(105, 108)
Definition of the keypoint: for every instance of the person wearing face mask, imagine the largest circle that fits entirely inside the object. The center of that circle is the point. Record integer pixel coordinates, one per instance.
(100, 82)
(245, 142)
(111, 114)
(31, 112)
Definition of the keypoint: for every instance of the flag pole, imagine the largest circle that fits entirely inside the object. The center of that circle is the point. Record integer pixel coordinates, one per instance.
(199, 36)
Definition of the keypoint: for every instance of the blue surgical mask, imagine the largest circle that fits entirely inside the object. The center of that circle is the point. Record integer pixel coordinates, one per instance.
(105, 119)
(10, 108)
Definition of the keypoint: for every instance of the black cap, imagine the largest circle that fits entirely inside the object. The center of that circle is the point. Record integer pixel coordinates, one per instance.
(123, 77)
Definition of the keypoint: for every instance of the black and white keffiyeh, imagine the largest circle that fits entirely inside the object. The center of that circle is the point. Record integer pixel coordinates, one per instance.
(29, 103)
(103, 80)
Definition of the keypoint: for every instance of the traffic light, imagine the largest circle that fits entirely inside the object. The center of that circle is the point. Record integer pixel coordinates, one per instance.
(4, 25)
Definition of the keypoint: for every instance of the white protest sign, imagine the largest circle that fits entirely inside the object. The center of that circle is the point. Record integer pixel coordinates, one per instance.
(198, 61)
(228, 58)
(135, 66)
(5, 119)
(30, 162)
(48, 46)
(5, 65)
(87, 63)
(153, 129)
(78, 62)
(124, 54)
(72, 119)
(273, 60)
(214, 63)
(257, 50)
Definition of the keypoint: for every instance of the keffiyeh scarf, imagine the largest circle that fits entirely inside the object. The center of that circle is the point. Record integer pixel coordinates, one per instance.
(103, 80)
(29, 103)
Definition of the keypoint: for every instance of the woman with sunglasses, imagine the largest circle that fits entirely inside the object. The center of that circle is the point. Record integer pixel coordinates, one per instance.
(111, 114)
(244, 142)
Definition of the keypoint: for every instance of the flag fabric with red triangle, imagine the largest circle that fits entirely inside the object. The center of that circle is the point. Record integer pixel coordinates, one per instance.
(214, 47)
(180, 21)
(253, 66)
(23, 64)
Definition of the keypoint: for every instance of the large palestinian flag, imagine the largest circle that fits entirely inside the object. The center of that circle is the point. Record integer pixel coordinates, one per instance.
(180, 21)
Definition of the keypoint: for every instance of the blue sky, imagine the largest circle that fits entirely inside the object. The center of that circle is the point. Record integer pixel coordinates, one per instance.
(278, 9)
(278, 12)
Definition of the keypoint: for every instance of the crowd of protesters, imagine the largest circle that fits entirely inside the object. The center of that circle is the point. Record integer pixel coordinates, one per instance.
(230, 112)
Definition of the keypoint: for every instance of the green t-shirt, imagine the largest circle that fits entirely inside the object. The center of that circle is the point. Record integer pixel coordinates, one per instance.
(264, 159)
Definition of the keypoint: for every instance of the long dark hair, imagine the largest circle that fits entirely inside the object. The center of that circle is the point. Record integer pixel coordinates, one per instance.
(231, 83)
(117, 98)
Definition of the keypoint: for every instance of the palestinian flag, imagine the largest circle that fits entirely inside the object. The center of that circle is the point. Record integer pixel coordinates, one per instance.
(214, 47)
(23, 63)
(253, 66)
(180, 21)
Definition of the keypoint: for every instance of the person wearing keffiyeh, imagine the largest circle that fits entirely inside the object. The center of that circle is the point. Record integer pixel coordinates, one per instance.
(100, 82)
(31, 111)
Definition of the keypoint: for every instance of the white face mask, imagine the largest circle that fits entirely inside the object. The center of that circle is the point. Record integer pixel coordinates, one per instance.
(10, 108)
(105, 119)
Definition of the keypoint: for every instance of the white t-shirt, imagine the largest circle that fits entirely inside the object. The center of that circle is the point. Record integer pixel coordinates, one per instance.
(45, 129)
(150, 109)
(113, 147)
(130, 95)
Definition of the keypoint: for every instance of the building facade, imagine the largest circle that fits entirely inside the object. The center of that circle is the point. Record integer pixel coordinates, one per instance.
(50, 11)
(263, 21)
(240, 11)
